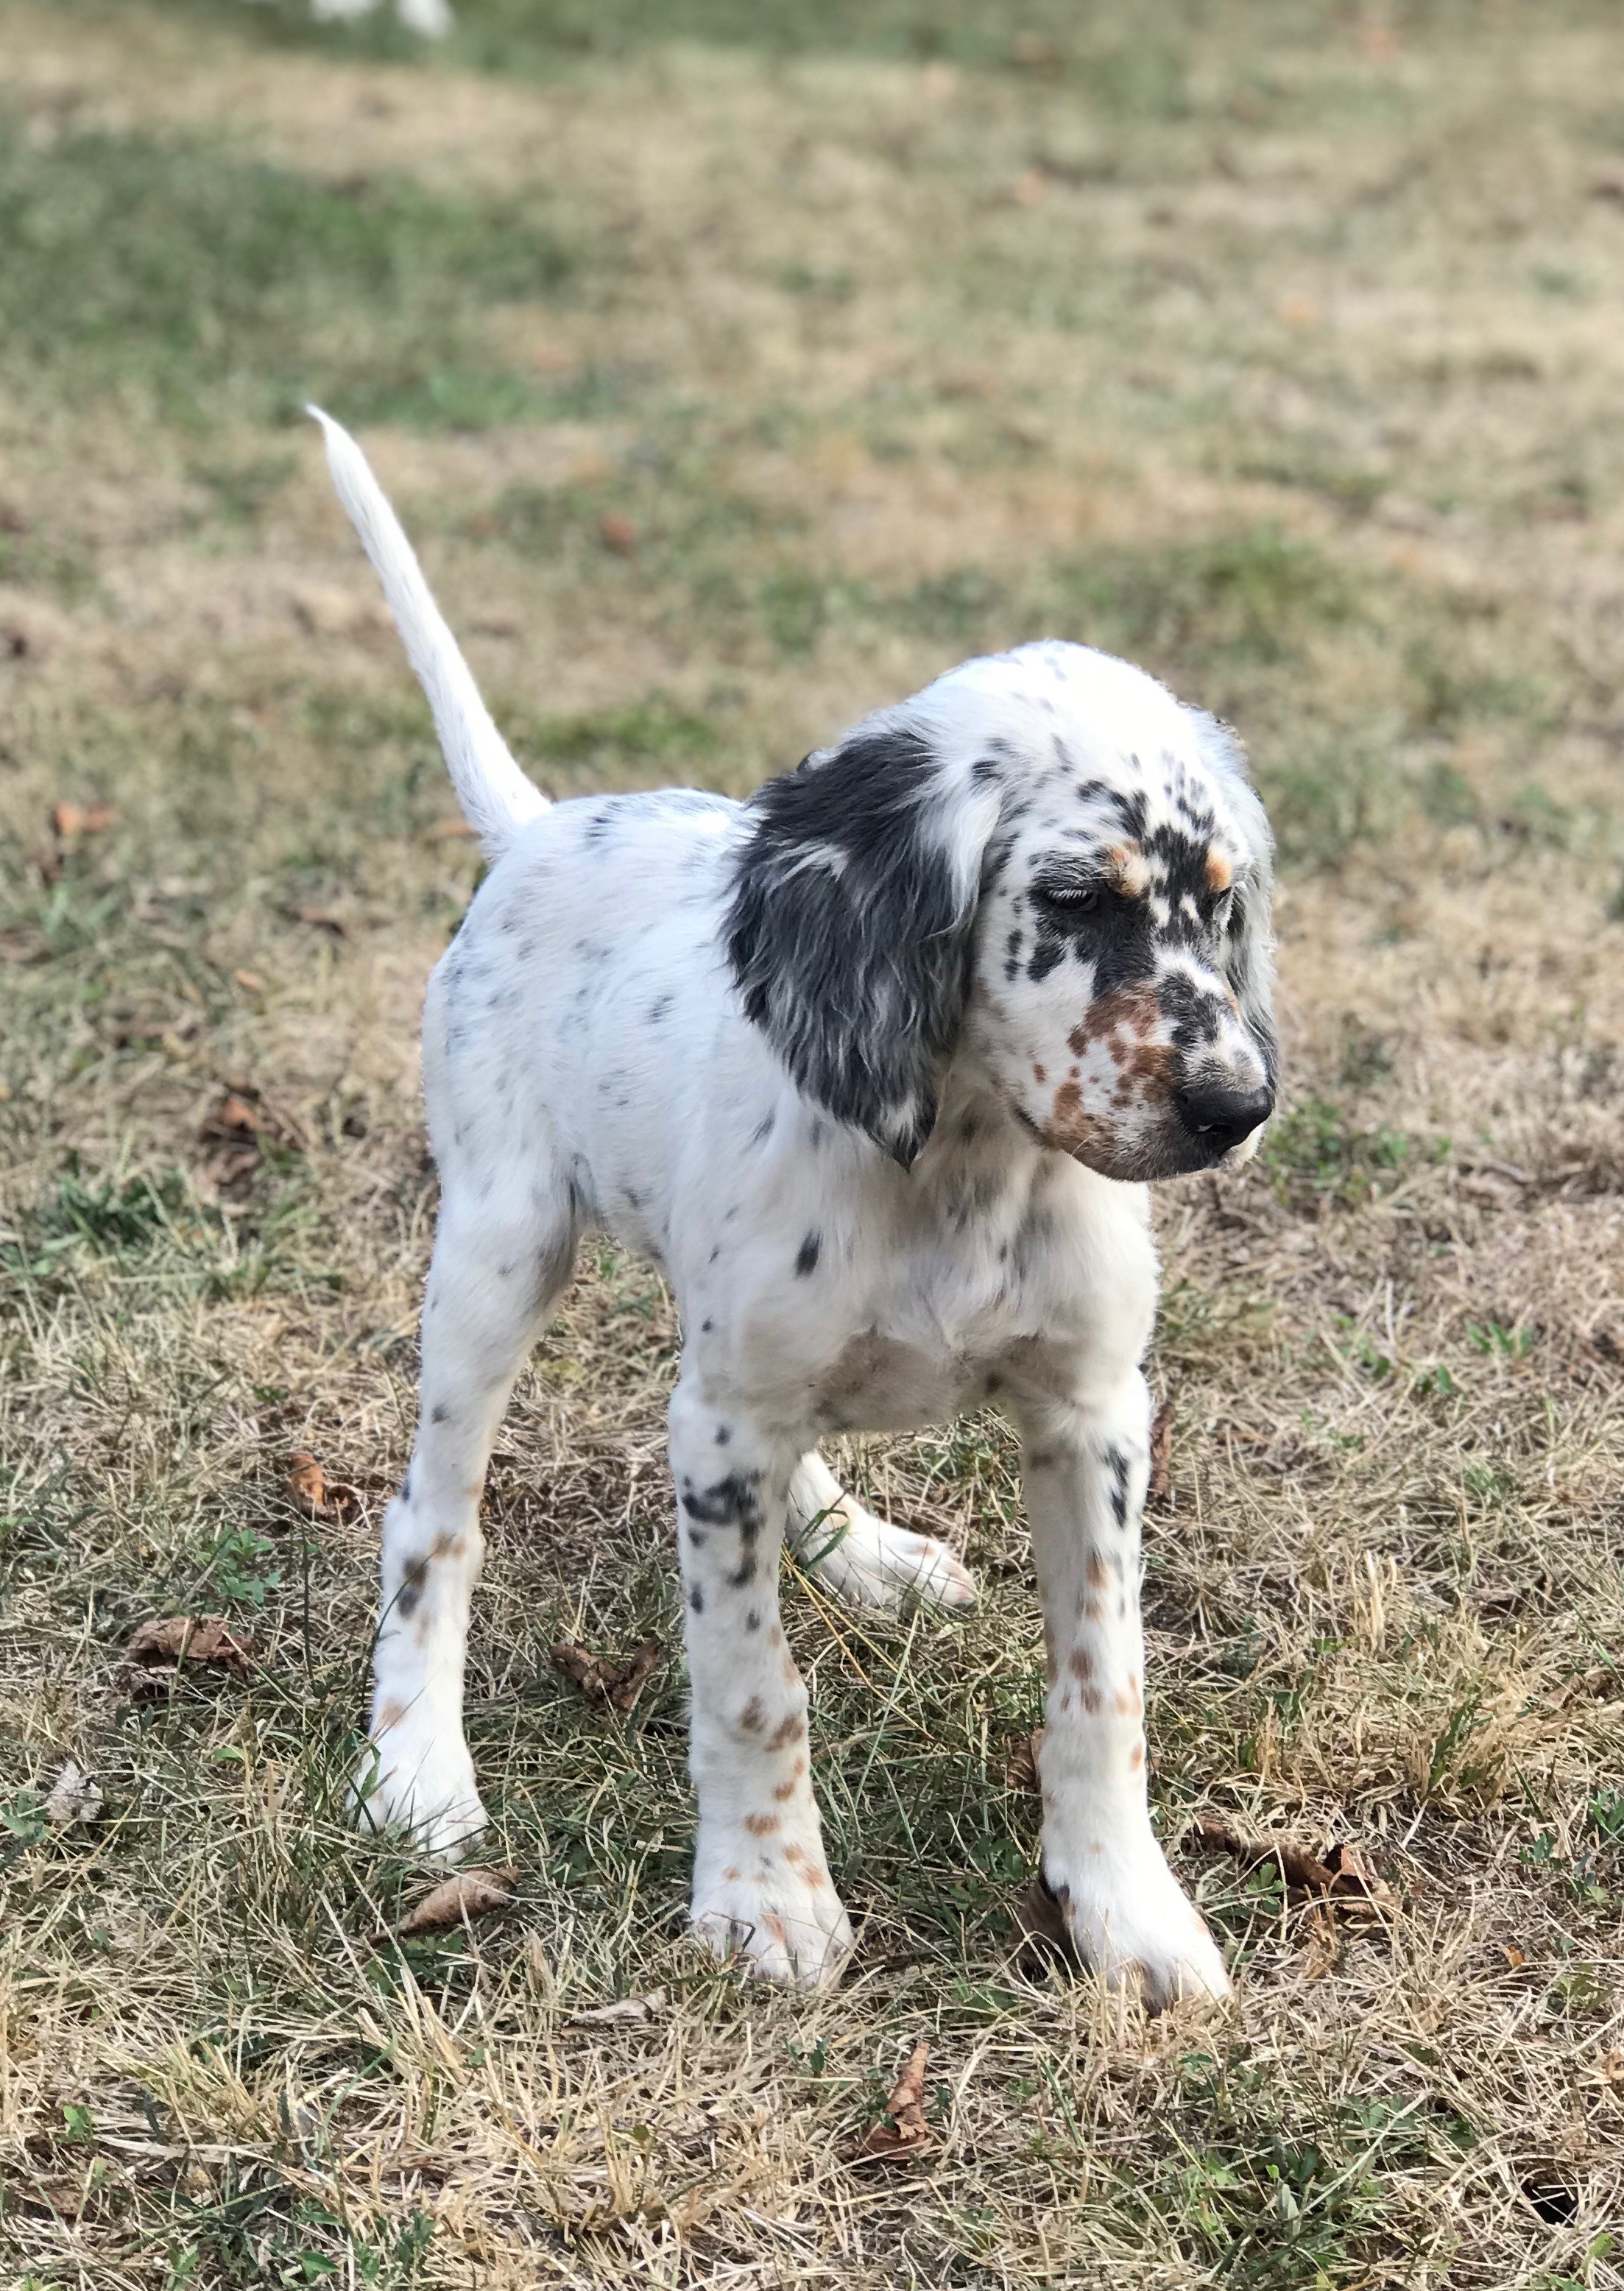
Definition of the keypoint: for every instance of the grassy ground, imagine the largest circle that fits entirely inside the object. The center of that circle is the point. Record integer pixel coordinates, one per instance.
(738, 368)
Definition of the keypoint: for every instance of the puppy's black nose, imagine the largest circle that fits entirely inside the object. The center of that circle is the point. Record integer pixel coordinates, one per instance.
(1221, 1118)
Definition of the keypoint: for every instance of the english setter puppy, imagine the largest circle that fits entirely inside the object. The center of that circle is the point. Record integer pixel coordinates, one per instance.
(876, 1066)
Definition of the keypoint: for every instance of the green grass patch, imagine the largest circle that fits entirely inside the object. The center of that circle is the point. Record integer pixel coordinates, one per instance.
(191, 281)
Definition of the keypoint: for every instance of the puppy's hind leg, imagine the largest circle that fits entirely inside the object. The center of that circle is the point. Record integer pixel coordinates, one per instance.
(866, 1561)
(494, 1278)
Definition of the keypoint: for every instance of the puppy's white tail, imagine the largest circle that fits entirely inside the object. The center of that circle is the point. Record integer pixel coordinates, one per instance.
(495, 796)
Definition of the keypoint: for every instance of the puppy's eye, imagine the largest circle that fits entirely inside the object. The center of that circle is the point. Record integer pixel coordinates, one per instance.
(1069, 901)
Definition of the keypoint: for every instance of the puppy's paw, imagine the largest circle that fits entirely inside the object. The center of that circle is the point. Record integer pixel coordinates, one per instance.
(1130, 1923)
(777, 1912)
(420, 1779)
(868, 1563)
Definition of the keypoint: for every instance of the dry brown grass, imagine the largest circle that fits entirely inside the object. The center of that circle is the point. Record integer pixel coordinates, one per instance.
(1290, 363)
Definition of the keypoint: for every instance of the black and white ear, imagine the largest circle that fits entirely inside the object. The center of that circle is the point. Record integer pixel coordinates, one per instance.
(1249, 960)
(850, 927)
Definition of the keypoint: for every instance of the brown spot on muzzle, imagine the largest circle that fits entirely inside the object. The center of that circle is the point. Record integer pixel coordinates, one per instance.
(1126, 1026)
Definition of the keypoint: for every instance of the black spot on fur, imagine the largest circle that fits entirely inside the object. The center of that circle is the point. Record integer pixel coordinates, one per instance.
(696, 1600)
(730, 1502)
(1116, 1464)
(412, 1587)
(744, 1573)
(807, 1256)
(441, 1413)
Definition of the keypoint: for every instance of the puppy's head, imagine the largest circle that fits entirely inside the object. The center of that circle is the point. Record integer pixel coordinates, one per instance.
(1046, 863)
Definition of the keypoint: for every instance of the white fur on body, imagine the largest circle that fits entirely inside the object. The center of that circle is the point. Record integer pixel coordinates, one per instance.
(588, 1061)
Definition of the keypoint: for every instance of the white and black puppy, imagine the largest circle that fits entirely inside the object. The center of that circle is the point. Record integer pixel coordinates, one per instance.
(875, 1066)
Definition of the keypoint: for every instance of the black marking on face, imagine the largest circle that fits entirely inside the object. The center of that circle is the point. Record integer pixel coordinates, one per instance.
(724, 1433)
(806, 1257)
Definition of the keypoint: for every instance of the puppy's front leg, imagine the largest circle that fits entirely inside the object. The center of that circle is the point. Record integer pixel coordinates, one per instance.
(1085, 1469)
(761, 1886)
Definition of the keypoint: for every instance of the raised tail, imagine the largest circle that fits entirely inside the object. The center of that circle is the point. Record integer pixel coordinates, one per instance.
(495, 796)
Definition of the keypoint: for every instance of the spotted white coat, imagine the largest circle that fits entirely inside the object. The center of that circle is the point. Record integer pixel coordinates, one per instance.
(874, 1066)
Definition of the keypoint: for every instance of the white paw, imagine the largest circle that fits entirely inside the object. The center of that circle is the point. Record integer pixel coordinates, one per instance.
(779, 1916)
(1131, 1924)
(868, 1563)
(421, 1778)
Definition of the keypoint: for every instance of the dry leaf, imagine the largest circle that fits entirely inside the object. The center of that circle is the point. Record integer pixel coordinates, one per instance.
(1161, 1455)
(315, 1493)
(1611, 2068)
(470, 1893)
(249, 981)
(619, 1684)
(322, 919)
(330, 612)
(907, 2134)
(617, 532)
(1021, 1773)
(74, 1798)
(626, 2008)
(157, 1650)
(239, 1125)
(1041, 1921)
(306, 1480)
(1341, 1876)
(71, 819)
(455, 830)
(1515, 1959)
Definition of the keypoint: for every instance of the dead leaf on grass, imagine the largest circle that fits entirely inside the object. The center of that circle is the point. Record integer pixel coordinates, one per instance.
(619, 1684)
(320, 919)
(158, 1649)
(1041, 1922)
(1021, 1773)
(71, 819)
(75, 1799)
(249, 981)
(906, 2135)
(631, 2009)
(455, 830)
(315, 1493)
(1341, 1876)
(455, 1901)
(617, 532)
(243, 1122)
(1160, 1481)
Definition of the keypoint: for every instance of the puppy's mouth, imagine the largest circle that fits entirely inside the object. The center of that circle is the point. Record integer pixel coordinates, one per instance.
(1170, 1144)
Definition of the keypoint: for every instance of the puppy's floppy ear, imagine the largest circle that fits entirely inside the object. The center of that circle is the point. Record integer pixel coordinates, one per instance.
(1248, 959)
(849, 929)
